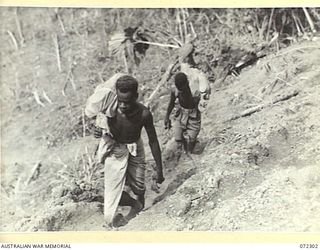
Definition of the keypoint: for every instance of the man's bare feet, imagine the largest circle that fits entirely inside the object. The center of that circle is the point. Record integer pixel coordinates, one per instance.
(118, 221)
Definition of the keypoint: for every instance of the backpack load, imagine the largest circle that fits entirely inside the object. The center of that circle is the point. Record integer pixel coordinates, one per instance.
(103, 99)
(103, 104)
(198, 82)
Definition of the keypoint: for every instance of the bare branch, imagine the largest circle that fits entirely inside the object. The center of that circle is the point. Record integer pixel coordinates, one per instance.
(37, 98)
(179, 25)
(177, 41)
(158, 44)
(194, 34)
(125, 62)
(269, 24)
(301, 25)
(72, 81)
(18, 26)
(219, 19)
(296, 23)
(208, 22)
(103, 34)
(60, 20)
(164, 79)
(284, 81)
(263, 27)
(56, 44)
(309, 20)
(185, 27)
(14, 40)
(34, 172)
(253, 110)
(46, 97)
(274, 38)
(84, 126)
(66, 84)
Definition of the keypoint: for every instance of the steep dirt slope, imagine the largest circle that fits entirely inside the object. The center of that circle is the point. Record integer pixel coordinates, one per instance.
(259, 172)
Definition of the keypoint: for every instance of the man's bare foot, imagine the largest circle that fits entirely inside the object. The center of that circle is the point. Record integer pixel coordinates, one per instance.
(118, 221)
(108, 226)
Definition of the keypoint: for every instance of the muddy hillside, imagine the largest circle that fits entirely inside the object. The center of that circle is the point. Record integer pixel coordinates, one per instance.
(256, 165)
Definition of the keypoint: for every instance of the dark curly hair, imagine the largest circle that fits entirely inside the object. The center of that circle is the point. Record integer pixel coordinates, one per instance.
(181, 80)
(127, 84)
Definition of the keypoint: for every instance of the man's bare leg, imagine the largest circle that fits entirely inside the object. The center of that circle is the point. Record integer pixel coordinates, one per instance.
(136, 207)
(181, 145)
(191, 146)
(141, 199)
(127, 201)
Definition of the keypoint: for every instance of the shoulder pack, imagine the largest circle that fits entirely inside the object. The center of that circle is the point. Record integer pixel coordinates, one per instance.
(198, 82)
(104, 99)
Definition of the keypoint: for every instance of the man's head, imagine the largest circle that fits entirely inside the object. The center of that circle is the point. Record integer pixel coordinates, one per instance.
(127, 93)
(181, 81)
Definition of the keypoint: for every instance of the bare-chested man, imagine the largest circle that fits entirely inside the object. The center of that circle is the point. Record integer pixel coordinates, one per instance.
(125, 165)
(188, 116)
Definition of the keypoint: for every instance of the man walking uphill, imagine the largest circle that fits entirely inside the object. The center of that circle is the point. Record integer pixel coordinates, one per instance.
(190, 96)
(125, 158)
(188, 116)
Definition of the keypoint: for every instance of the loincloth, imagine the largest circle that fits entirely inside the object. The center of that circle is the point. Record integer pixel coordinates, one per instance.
(125, 166)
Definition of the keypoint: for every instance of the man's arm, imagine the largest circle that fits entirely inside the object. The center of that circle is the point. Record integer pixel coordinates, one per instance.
(167, 121)
(154, 145)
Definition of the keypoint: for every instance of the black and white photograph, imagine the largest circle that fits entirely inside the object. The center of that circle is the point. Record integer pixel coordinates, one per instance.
(160, 119)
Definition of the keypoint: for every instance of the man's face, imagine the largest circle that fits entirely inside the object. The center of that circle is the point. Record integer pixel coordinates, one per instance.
(126, 101)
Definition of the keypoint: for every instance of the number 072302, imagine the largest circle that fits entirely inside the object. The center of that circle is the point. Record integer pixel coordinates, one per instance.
(309, 246)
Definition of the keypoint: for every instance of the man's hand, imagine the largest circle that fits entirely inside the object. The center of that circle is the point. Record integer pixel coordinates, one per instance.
(157, 179)
(167, 123)
(97, 132)
(156, 152)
